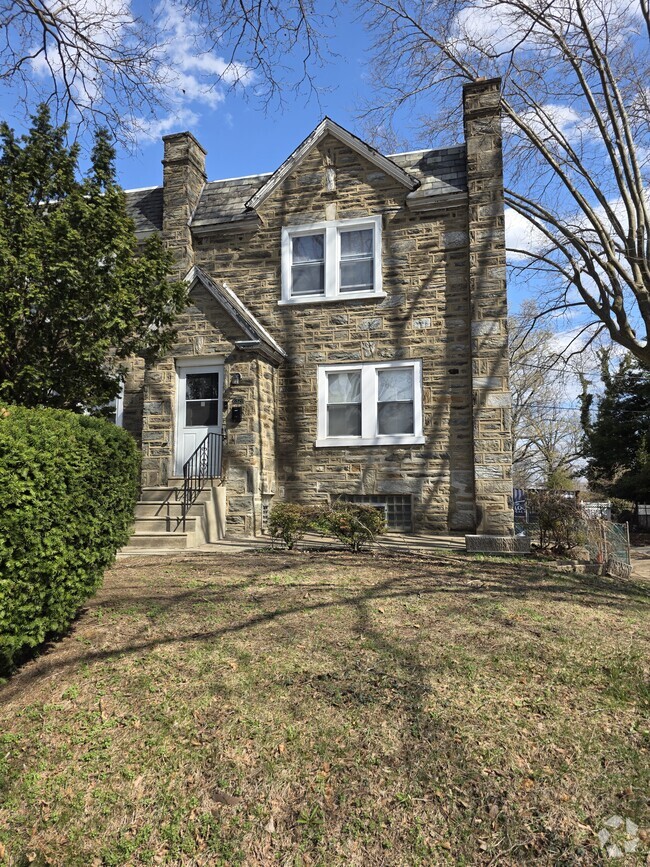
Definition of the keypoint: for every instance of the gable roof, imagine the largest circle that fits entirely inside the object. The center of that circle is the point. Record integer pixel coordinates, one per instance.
(223, 206)
(328, 127)
(258, 338)
(224, 202)
(145, 207)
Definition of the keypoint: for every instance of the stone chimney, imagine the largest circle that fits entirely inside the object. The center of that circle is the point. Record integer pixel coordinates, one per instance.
(488, 309)
(183, 180)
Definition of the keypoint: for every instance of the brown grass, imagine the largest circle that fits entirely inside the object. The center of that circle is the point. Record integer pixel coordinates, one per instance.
(329, 708)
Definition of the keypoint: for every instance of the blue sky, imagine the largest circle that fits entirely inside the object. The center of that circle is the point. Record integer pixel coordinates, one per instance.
(240, 136)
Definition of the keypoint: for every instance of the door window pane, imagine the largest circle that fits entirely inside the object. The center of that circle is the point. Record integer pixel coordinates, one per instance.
(201, 413)
(201, 399)
(357, 260)
(202, 386)
(308, 265)
(344, 404)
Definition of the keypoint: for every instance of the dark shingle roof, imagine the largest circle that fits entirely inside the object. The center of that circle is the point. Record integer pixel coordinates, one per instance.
(224, 201)
(440, 172)
(145, 207)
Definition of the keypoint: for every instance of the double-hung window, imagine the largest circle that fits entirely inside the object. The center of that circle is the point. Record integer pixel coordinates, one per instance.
(331, 260)
(370, 404)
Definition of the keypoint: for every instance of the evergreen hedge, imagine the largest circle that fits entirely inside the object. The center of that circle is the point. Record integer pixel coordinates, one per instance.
(68, 487)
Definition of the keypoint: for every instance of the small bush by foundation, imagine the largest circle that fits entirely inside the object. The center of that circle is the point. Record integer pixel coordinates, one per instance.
(354, 525)
(289, 522)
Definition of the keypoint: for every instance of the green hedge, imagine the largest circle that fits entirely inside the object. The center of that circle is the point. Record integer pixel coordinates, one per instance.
(68, 486)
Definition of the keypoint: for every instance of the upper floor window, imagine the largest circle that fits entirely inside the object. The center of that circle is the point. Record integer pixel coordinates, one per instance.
(331, 260)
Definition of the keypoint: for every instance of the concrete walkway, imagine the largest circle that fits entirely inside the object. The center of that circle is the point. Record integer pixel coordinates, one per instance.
(640, 562)
(398, 542)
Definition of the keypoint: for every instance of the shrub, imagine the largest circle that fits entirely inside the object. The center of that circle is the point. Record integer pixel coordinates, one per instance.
(68, 486)
(622, 510)
(289, 522)
(561, 520)
(355, 525)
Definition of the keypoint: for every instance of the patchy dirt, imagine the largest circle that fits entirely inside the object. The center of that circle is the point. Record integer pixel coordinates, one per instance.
(328, 708)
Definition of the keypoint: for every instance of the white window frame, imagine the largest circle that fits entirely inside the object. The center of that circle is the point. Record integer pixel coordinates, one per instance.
(332, 250)
(369, 393)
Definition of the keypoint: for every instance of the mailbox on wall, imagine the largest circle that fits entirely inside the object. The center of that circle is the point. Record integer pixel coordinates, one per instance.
(235, 414)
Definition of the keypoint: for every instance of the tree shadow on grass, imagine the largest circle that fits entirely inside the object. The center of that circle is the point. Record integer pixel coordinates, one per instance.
(476, 581)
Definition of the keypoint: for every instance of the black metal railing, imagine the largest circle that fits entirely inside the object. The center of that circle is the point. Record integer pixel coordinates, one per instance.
(204, 463)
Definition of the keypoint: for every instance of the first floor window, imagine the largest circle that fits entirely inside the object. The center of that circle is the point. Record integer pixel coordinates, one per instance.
(370, 404)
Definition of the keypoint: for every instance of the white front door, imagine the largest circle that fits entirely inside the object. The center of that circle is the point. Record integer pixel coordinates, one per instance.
(198, 409)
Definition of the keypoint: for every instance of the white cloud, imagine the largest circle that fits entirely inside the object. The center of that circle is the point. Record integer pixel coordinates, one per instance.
(106, 24)
(521, 234)
(192, 75)
(153, 129)
(500, 26)
(551, 120)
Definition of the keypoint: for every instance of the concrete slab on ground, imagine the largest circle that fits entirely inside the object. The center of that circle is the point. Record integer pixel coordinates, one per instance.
(640, 558)
(390, 542)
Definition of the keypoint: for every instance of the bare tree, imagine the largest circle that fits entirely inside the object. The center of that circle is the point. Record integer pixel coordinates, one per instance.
(546, 430)
(574, 97)
(576, 113)
(95, 61)
(91, 59)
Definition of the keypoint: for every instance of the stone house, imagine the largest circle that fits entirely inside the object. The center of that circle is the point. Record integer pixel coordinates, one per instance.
(346, 336)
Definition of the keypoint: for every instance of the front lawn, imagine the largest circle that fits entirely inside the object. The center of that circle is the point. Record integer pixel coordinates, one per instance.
(330, 708)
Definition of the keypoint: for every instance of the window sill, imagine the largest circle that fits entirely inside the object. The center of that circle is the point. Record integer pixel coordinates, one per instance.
(347, 442)
(331, 299)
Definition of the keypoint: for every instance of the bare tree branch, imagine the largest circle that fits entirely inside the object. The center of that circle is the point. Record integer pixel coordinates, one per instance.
(576, 111)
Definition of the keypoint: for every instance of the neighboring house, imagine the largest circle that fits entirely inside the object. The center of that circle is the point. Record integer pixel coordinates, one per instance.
(346, 332)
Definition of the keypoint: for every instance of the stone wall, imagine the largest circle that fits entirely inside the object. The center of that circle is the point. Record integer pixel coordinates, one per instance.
(444, 279)
(489, 310)
(133, 397)
(183, 181)
(424, 316)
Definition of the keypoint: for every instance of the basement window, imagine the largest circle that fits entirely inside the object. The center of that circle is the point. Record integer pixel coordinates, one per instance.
(398, 508)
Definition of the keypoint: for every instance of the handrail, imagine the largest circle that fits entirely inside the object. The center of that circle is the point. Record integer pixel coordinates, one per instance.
(204, 463)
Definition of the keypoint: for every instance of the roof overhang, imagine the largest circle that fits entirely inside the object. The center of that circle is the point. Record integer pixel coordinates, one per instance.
(328, 127)
(257, 338)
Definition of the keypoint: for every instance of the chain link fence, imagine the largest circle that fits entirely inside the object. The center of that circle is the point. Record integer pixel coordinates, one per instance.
(601, 540)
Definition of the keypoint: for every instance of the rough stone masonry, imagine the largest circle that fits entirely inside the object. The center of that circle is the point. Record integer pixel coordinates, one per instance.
(443, 303)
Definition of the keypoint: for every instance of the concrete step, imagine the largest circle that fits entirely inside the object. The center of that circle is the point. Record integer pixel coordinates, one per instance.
(170, 494)
(170, 509)
(161, 524)
(167, 541)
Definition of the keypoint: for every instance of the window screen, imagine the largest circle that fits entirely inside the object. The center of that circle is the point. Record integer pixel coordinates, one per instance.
(357, 260)
(308, 265)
